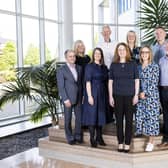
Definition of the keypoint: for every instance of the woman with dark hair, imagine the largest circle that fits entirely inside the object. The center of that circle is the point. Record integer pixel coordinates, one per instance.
(123, 93)
(95, 97)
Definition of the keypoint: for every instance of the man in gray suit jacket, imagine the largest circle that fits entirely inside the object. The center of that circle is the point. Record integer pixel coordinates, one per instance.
(69, 82)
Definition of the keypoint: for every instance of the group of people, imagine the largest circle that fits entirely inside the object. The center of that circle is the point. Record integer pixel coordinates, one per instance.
(121, 78)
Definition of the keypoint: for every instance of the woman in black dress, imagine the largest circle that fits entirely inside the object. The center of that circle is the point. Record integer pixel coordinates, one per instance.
(95, 97)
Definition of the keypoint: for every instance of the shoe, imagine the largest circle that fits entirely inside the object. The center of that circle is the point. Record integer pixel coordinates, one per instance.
(126, 148)
(101, 142)
(163, 144)
(149, 147)
(93, 143)
(79, 141)
(120, 148)
(73, 142)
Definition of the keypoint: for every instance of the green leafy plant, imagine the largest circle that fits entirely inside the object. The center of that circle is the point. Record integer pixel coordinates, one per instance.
(153, 13)
(37, 84)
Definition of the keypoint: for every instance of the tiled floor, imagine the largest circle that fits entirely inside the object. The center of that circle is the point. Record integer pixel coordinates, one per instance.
(31, 159)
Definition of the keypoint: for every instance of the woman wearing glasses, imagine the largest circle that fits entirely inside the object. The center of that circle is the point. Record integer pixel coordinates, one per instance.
(147, 115)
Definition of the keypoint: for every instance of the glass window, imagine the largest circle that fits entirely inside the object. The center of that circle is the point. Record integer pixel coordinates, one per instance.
(104, 11)
(83, 32)
(127, 12)
(51, 9)
(31, 42)
(30, 7)
(82, 11)
(8, 51)
(51, 40)
(8, 5)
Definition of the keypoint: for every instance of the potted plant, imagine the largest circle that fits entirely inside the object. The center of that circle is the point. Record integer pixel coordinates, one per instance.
(38, 84)
(153, 13)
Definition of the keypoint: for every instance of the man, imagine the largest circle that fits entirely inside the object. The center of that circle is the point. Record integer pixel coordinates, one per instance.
(159, 47)
(70, 90)
(107, 45)
(163, 63)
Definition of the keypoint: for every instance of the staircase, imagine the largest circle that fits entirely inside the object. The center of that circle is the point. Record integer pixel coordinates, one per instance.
(55, 146)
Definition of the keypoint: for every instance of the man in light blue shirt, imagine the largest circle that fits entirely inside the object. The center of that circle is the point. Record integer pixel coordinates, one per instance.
(159, 47)
(163, 63)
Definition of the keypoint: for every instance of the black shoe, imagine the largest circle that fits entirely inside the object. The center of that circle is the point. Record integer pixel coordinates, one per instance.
(93, 143)
(79, 141)
(121, 150)
(101, 142)
(73, 142)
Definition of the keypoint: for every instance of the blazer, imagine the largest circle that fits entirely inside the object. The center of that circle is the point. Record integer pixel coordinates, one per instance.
(67, 86)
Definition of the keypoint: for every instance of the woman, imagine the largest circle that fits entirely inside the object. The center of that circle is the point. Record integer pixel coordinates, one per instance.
(123, 93)
(81, 58)
(147, 115)
(95, 98)
(131, 41)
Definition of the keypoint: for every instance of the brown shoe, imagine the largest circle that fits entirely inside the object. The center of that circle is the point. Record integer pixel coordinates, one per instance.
(163, 144)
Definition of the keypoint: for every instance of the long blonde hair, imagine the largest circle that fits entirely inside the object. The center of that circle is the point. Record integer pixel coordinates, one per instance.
(76, 46)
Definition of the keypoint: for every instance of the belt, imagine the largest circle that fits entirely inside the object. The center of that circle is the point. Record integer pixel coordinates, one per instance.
(164, 87)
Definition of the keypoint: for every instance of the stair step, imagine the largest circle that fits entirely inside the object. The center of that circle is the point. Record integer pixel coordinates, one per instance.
(99, 157)
(137, 145)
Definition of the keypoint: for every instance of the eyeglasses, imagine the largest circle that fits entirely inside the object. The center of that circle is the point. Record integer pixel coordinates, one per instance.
(145, 52)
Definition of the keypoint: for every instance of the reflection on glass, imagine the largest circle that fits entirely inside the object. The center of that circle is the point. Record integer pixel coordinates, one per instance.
(104, 11)
(82, 11)
(31, 42)
(30, 7)
(8, 5)
(51, 9)
(51, 40)
(126, 11)
(83, 32)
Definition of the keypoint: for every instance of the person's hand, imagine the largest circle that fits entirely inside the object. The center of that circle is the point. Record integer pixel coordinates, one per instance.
(111, 101)
(135, 99)
(142, 95)
(91, 100)
(67, 103)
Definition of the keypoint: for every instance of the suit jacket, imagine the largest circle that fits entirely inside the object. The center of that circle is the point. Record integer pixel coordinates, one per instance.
(67, 86)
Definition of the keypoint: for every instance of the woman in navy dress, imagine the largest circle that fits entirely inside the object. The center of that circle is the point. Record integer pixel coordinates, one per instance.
(95, 98)
(147, 115)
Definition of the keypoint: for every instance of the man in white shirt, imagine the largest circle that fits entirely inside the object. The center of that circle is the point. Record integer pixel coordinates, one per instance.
(107, 45)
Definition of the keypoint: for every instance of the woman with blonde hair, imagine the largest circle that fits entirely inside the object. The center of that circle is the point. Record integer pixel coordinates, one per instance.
(147, 114)
(81, 58)
(132, 43)
(123, 93)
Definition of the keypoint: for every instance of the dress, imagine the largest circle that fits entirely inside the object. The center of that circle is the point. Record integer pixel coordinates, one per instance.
(96, 114)
(147, 115)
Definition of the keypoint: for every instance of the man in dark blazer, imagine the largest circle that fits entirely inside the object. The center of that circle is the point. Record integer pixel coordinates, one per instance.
(69, 82)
